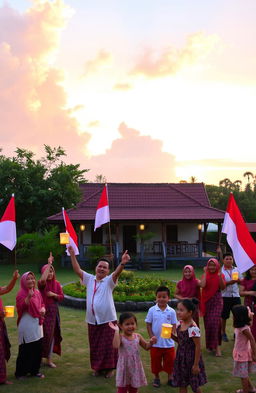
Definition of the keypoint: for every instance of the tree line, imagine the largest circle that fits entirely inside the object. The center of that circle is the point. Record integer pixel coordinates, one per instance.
(245, 198)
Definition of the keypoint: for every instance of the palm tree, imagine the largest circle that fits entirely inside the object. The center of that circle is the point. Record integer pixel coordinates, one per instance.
(193, 179)
(100, 179)
(227, 183)
(248, 175)
(237, 184)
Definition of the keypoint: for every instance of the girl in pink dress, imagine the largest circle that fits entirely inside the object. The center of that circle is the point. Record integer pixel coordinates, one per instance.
(129, 371)
(244, 352)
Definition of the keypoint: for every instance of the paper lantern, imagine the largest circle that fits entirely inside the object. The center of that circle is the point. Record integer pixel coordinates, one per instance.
(64, 238)
(235, 276)
(166, 331)
(9, 311)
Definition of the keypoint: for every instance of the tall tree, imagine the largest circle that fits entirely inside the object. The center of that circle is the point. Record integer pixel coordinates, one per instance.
(41, 186)
(248, 175)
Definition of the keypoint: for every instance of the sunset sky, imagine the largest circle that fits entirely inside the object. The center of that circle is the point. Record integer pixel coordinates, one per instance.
(135, 90)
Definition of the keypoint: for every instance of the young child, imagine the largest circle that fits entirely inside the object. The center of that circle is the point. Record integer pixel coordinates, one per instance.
(129, 371)
(244, 352)
(163, 352)
(188, 365)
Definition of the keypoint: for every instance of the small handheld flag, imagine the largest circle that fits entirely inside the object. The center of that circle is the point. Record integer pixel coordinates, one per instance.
(8, 236)
(72, 233)
(102, 213)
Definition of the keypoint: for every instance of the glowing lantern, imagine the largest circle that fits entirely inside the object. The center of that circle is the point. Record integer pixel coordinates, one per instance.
(64, 238)
(235, 276)
(9, 311)
(166, 331)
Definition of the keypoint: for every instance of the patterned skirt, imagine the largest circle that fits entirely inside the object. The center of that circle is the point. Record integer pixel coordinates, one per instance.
(212, 321)
(52, 334)
(4, 350)
(102, 354)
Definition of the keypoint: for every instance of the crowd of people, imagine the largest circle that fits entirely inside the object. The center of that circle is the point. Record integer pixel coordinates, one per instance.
(115, 344)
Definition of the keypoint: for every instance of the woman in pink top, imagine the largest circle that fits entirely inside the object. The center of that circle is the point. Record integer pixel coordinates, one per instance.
(52, 294)
(189, 288)
(244, 352)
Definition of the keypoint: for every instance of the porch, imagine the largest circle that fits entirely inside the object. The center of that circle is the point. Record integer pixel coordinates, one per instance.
(157, 255)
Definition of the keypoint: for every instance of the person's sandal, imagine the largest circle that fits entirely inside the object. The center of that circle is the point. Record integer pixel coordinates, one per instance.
(156, 383)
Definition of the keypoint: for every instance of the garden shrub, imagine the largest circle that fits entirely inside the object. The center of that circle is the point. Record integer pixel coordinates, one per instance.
(95, 251)
(136, 289)
(37, 246)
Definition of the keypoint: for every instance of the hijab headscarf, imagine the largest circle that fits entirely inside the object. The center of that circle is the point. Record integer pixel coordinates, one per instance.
(188, 288)
(50, 285)
(35, 304)
(212, 284)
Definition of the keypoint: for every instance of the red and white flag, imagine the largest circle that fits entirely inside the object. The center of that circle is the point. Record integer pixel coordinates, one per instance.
(102, 213)
(8, 235)
(72, 233)
(238, 237)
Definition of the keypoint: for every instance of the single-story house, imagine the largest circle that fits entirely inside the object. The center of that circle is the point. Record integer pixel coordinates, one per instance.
(156, 222)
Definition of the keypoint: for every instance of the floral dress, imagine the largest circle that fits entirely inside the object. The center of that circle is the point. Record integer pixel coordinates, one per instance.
(129, 370)
(184, 360)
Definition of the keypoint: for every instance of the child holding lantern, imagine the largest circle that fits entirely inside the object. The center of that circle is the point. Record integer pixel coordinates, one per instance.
(188, 366)
(162, 352)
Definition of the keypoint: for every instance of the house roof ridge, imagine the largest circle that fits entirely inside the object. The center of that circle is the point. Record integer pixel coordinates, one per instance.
(188, 196)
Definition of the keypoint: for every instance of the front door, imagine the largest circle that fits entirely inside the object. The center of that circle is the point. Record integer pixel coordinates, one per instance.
(171, 234)
(129, 238)
(97, 236)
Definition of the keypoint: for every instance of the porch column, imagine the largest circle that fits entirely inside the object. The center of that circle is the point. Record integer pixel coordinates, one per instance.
(204, 236)
(219, 233)
(199, 240)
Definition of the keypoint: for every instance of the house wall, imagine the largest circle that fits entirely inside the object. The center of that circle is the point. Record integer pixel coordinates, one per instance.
(188, 232)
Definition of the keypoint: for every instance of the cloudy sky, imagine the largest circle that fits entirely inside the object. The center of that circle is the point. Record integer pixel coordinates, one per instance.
(136, 90)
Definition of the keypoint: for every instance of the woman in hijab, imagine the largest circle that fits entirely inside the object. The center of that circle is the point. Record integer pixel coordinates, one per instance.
(31, 310)
(248, 290)
(52, 294)
(212, 283)
(4, 341)
(189, 288)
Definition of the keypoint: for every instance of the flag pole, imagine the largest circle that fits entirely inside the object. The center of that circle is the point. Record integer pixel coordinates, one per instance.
(110, 245)
(109, 232)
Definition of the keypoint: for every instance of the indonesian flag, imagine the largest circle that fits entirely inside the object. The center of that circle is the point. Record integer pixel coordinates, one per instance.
(102, 212)
(238, 237)
(72, 233)
(8, 235)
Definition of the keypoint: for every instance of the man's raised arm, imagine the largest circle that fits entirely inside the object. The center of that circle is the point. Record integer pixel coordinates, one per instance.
(75, 264)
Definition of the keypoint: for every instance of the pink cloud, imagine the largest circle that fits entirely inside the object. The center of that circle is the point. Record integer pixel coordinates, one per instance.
(134, 158)
(102, 59)
(33, 105)
(123, 86)
(171, 60)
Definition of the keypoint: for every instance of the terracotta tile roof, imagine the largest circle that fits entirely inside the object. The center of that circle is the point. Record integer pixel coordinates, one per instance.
(147, 201)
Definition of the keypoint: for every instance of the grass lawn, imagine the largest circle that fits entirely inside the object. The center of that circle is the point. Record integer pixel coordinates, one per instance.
(73, 374)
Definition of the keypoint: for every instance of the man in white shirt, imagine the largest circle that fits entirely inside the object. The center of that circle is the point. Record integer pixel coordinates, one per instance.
(100, 310)
(230, 294)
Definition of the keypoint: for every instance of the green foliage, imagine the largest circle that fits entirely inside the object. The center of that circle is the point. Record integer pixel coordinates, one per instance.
(127, 275)
(95, 252)
(41, 186)
(245, 199)
(144, 236)
(128, 288)
(38, 245)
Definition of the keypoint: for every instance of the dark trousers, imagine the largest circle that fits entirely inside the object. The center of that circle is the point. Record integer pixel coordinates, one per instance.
(29, 359)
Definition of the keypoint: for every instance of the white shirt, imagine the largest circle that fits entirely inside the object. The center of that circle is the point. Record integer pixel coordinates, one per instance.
(100, 306)
(29, 329)
(230, 290)
(157, 317)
